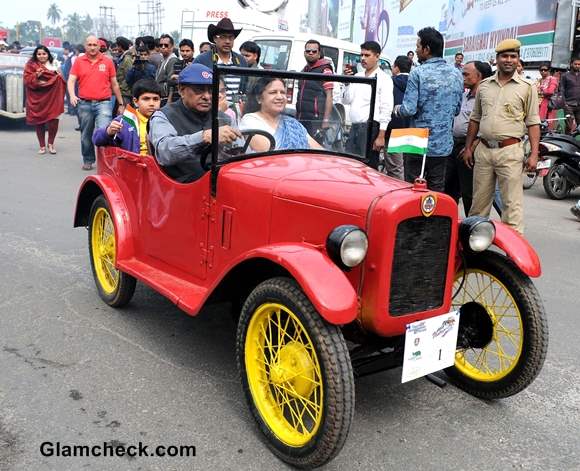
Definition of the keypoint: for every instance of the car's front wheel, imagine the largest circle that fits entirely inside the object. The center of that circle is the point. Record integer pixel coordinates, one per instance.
(115, 287)
(503, 332)
(296, 374)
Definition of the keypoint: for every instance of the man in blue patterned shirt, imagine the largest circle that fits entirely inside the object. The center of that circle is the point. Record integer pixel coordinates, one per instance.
(432, 99)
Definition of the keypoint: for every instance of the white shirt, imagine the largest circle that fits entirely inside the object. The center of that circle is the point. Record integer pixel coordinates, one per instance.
(358, 95)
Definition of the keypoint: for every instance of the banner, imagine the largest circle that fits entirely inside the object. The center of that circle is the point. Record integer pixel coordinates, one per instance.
(474, 27)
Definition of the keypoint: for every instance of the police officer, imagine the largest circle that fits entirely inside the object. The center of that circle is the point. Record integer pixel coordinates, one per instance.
(505, 105)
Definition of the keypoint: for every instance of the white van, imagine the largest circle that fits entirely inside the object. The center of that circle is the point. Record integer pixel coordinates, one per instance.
(286, 52)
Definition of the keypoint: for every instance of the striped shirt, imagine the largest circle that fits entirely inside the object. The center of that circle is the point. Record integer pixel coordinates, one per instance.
(232, 81)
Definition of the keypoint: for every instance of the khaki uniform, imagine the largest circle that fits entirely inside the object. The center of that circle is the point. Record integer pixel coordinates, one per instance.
(502, 111)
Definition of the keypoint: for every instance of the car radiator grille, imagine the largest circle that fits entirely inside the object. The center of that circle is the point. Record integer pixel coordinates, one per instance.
(419, 265)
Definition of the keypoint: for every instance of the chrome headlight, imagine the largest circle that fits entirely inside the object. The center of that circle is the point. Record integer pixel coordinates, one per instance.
(347, 246)
(477, 233)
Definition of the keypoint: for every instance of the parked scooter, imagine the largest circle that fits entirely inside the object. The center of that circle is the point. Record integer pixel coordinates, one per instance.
(560, 159)
(529, 178)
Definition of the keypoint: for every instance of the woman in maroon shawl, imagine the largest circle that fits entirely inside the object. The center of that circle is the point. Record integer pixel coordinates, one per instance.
(45, 90)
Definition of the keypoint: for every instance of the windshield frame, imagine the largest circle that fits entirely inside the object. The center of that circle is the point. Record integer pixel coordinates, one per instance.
(220, 70)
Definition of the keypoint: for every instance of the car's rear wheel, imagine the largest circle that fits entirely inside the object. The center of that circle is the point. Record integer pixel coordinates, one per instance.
(503, 332)
(296, 374)
(115, 287)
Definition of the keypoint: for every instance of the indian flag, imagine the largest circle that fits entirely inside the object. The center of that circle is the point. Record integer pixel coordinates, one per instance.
(408, 140)
(130, 117)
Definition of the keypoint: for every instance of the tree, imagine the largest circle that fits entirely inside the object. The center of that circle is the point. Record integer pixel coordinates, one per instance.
(88, 23)
(52, 32)
(53, 13)
(75, 31)
(29, 32)
(176, 37)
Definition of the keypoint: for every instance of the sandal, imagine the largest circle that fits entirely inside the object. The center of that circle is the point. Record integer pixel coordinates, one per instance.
(51, 149)
(42, 150)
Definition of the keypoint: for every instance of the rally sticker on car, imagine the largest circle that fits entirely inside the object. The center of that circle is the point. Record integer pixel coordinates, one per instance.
(428, 204)
(430, 345)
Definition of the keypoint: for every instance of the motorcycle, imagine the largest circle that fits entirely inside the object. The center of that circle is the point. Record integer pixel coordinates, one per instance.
(560, 163)
(529, 178)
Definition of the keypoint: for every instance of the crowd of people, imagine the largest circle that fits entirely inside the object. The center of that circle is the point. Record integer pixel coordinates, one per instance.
(475, 148)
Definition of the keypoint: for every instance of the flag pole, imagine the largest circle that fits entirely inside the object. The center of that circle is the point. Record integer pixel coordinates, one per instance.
(422, 175)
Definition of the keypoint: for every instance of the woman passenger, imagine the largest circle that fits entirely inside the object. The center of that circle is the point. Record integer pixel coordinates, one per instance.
(264, 111)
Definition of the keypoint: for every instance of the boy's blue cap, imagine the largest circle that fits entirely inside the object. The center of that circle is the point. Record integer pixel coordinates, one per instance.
(196, 74)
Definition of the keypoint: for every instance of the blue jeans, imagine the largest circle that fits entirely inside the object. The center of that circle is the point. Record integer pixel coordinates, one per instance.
(91, 114)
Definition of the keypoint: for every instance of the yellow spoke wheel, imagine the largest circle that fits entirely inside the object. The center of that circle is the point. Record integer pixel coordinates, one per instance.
(115, 287)
(503, 333)
(296, 374)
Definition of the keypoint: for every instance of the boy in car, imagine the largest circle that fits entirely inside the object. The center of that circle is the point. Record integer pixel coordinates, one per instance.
(120, 132)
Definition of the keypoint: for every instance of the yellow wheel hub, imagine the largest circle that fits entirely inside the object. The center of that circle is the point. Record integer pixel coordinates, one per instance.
(104, 251)
(283, 374)
(499, 357)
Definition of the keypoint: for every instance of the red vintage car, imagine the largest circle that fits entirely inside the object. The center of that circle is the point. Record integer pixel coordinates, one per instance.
(333, 269)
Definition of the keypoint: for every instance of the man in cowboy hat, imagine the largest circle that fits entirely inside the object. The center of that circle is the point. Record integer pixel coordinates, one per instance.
(222, 37)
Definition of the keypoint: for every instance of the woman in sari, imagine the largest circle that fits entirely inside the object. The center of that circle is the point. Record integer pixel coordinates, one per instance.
(264, 111)
(547, 86)
(45, 89)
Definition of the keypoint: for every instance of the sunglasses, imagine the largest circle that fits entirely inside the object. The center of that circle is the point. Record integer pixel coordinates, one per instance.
(226, 37)
(311, 51)
(164, 45)
(543, 70)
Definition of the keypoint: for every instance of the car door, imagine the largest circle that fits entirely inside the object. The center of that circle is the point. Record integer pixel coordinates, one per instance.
(174, 220)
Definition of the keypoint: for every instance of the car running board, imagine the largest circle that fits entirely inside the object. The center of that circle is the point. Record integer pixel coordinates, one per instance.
(186, 295)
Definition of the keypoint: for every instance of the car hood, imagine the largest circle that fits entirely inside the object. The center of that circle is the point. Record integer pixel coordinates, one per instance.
(337, 183)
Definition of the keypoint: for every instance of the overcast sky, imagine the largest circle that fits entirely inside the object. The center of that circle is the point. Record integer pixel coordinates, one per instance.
(125, 12)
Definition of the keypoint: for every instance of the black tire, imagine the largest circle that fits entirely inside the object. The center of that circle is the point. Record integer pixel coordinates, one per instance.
(336, 376)
(556, 186)
(122, 291)
(529, 179)
(477, 326)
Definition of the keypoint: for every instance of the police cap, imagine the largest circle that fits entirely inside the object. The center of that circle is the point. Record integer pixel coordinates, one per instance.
(508, 45)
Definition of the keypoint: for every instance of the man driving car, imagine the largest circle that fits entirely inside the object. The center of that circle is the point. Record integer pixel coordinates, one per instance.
(181, 131)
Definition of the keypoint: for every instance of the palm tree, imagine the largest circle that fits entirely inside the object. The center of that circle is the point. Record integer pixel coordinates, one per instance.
(53, 13)
(74, 28)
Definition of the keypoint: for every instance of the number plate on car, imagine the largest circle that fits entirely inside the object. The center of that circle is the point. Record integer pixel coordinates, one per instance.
(430, 345)
(544, 164)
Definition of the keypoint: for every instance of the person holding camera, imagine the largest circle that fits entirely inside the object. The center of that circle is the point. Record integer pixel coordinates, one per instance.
(142, 68)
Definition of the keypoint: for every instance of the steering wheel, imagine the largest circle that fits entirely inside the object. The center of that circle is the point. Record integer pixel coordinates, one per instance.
(234, 151)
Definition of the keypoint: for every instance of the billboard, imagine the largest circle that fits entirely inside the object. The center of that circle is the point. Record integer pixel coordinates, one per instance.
(471, 26)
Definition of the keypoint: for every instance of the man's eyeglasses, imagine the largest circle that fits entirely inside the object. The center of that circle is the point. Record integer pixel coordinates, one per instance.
(164, 45)
(227, 37)
(543, 70)
(311, 51)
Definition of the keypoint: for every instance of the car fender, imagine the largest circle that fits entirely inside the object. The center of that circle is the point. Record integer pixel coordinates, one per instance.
(517, 249)
(92, 187)
(325, 284)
